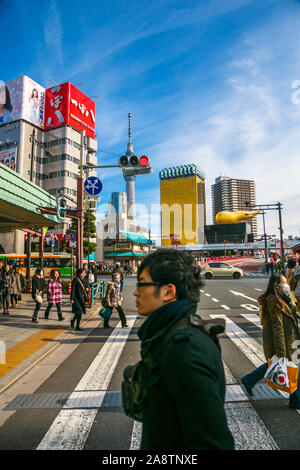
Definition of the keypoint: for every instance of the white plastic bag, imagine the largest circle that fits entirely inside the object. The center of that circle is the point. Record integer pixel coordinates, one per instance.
(277, 372)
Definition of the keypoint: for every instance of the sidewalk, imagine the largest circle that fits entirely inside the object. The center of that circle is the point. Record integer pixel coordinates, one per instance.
(22, 342)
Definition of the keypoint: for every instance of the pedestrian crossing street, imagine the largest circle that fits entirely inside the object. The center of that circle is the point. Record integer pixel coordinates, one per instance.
(73, 424)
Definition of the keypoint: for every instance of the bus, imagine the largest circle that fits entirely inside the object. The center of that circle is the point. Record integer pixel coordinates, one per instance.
(62, 262)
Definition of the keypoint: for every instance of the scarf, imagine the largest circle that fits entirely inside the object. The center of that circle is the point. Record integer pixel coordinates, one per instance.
(117, 286)
(163, 317)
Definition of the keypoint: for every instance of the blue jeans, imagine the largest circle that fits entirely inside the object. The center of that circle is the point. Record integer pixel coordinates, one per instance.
(258, 374)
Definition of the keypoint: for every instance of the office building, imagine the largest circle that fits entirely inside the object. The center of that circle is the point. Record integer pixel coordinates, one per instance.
(182, 200)
(41, 138)
(231, 194)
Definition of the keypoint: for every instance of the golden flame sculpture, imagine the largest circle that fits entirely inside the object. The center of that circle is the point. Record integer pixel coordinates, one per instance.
(225, 217)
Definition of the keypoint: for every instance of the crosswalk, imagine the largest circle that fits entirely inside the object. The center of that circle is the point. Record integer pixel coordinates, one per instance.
(256, 275)
(73, 425)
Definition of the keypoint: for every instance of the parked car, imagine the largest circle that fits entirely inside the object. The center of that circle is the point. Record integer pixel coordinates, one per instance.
(213, 269)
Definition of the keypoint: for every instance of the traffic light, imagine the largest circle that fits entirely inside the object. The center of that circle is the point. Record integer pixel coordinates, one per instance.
(61, 208)
(132, 165)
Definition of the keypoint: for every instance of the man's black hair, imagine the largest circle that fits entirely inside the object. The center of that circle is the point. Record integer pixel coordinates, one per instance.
(175, 267)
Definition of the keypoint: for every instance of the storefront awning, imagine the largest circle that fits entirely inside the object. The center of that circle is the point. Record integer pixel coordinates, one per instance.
(19, 202)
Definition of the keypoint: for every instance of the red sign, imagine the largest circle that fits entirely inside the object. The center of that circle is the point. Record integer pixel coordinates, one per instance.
(65, 104)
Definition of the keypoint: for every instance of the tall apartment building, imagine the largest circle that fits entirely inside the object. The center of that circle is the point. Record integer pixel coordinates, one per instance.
(44, 142)
(182, 200)
(231, 194)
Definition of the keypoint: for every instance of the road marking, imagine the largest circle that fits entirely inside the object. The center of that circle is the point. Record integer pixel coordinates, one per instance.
(248, 429)
(71, 428)
(225, 306)
(215, 300)
(249, 346)
(208, 295)
(136, 436)
(253, 318)
(251, 307)
(260, 290)
(242, 295)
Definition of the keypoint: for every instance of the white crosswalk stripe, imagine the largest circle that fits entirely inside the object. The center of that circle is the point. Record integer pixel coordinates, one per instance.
(71, 428)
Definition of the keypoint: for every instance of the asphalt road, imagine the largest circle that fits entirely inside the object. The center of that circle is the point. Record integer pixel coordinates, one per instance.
(71, 401)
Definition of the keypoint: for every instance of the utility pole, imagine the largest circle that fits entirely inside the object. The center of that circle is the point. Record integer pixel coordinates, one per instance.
(265, 238)
(280, 231)
(80, 189)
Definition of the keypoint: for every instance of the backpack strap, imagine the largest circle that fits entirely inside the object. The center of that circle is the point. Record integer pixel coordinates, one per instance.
(212, 327)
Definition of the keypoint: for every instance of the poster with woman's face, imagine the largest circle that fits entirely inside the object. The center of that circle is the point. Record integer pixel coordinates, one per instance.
(22, 98)
(9, 158)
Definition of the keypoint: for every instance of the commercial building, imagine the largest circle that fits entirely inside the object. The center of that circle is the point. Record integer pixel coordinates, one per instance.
(232, 233)
(182, 200)
(41, 137)
(231, 194)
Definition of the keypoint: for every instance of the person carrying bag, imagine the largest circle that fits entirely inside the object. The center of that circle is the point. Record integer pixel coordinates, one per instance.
(113, 299)
(38, 287)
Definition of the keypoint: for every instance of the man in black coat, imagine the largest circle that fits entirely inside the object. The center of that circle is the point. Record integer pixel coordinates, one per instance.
(185, 381)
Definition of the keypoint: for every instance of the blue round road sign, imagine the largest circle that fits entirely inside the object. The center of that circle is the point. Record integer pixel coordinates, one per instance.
(93, 185)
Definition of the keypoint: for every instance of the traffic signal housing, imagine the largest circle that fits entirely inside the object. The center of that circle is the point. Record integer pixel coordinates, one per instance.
(132, 165)
(61, 208)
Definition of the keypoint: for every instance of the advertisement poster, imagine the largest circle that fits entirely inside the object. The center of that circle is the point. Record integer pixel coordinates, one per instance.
(65, 104)
(22, 98)
(9, 158)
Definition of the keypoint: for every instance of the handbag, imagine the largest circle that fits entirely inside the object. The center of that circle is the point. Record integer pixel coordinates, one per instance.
(38, 297)
(105, 313)
(19, 297)
(282, 374)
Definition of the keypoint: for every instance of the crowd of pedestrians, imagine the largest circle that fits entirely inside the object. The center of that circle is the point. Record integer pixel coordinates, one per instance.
(11, 286)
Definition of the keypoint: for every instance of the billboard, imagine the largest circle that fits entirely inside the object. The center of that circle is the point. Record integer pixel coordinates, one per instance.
(9, 158)
(66, 104)
(22, 98)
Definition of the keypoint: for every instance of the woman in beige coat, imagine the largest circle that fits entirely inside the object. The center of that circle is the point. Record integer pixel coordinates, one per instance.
(113, 299)
(280, 331)
(15, 288)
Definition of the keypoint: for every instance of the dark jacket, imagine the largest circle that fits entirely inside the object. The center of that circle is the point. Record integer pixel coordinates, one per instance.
(38, 283)
(77, 294)
(186, 386)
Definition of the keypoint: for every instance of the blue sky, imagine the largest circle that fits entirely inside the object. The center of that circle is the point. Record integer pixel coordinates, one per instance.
(207, 82)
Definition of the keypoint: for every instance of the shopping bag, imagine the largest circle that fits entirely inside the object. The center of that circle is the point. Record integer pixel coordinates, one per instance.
(282, 374)
(105, 313)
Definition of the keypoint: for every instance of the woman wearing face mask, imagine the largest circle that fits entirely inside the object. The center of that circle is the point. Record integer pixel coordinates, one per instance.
(280, 330)
(38, 287)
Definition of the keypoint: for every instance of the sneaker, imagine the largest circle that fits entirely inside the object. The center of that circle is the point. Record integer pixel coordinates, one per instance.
(248, 389)
(78, 329)
(61, 319)
(34, 320)
(125, 326)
